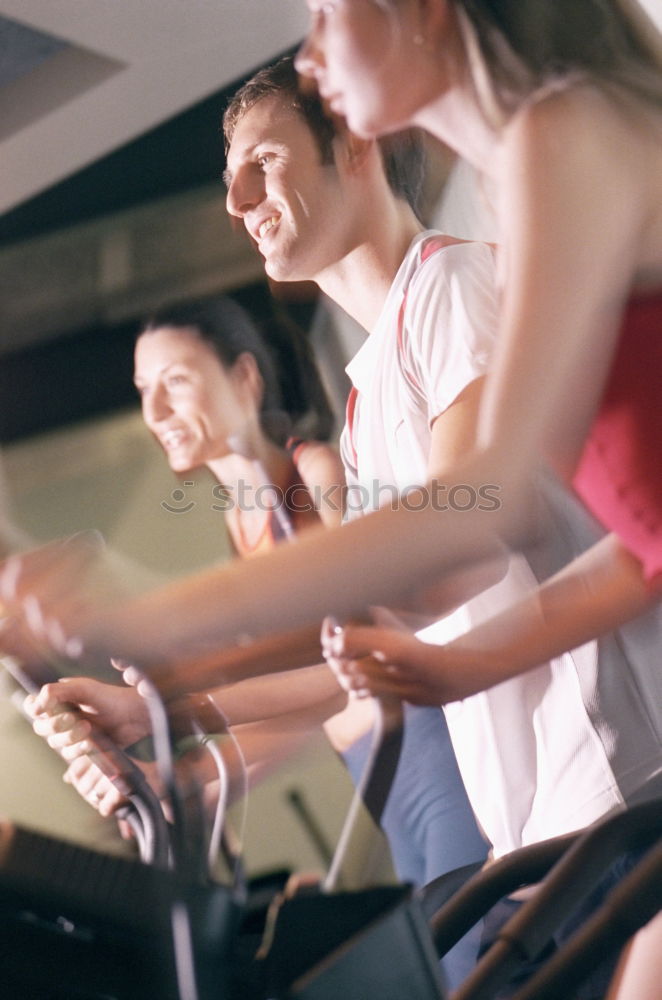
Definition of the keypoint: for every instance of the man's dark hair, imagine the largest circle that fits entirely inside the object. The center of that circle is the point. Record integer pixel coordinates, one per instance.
(403, 154)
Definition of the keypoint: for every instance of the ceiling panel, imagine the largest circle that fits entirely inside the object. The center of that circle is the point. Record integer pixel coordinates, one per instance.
(23, 49)
(110, 164)
(165, 55)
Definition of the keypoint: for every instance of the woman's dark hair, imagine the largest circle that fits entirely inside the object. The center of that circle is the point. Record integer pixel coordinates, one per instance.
(294, 398)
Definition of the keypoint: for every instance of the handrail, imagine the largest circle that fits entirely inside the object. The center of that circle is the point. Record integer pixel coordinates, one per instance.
(376, 779)
(577, 870)
(143, 811)
(635, 901)
(480, 892)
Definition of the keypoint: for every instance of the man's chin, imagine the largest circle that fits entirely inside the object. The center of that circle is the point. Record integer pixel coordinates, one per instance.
(281, 270)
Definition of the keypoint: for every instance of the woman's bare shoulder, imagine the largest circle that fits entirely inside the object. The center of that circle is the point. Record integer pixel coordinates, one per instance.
(319, 461)
(580, 110)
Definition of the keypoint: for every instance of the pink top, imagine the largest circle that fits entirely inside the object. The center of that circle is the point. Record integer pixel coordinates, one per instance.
(295, 500)
(619, 476)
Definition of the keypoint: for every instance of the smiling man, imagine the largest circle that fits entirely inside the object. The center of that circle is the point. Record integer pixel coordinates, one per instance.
(322, 205)
(301, 204)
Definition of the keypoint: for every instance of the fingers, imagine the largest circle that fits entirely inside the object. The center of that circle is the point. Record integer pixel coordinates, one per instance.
(356, 641)
(332, 650)
(48, 570)
(22, 633)
(126, 830)
(56, 720)
(133, 677)
(58, 698)
(370, 660)
(117, 710)
(93, 786)
(356, 665)
(67, 691)
(66, 732)
(34, 637)
(47, 594)
(130, 675)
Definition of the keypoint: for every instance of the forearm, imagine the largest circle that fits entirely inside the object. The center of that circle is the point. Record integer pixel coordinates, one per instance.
(275, 695)
(594, 594)
(441, 598)
(378, 560)
(267, 745)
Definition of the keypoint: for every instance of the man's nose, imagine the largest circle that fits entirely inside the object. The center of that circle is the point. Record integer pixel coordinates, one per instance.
(244, 193)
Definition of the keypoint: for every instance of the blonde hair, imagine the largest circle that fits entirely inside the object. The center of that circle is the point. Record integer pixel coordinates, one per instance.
(648, 33)
(514, 48)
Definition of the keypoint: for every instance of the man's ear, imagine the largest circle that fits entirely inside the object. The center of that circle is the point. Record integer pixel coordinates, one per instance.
(355, 151)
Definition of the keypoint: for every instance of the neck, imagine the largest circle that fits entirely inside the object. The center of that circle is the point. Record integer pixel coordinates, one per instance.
(455, 119)
(238, 473)
(360, 281)
(246, 519)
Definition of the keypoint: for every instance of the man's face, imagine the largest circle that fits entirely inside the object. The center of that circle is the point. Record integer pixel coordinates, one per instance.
(291, 204)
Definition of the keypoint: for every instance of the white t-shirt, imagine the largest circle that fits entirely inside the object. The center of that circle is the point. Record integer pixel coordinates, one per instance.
(559, 746)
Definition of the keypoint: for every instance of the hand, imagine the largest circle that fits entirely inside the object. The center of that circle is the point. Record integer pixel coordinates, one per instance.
(49, 596)
(63, 714)
(94, 786)
(374, 660)
(99, 791)
(132, 676)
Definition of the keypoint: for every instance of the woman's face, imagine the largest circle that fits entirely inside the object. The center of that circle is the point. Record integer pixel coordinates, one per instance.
(366, 57)
(190, 402)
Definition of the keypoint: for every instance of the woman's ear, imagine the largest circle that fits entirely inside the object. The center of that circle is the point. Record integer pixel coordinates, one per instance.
(430, 20)
(247, 376)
